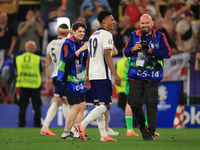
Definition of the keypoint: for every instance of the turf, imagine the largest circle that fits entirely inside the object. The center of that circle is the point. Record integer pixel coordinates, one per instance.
(30, 139)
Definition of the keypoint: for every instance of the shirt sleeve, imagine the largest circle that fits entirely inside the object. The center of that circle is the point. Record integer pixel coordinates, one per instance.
(69, 55)
(128, 52)
(108, 42)
(164, 50)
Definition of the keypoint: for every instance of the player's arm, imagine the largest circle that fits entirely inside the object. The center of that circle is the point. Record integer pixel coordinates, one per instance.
(109, 61)
(60, 30)
(87, 81)
(47, 70)
(114, 51)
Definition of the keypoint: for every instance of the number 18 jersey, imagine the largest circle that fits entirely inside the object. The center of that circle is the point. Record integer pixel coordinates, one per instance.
(99, 41)
(54, 49)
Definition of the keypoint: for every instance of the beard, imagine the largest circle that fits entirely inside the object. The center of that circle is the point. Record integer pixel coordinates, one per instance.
(148, 30)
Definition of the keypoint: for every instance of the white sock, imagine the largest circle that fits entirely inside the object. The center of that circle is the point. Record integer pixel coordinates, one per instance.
(50, 115)
(65, 133)
(101, 125)
(95, 113)
(75, 132)
(66, 110)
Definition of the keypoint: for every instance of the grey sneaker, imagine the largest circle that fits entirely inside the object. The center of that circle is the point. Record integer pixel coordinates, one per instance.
(70, 138)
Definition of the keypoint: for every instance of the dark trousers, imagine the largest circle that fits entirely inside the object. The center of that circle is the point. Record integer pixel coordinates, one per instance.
(25, 93)
(138, 90)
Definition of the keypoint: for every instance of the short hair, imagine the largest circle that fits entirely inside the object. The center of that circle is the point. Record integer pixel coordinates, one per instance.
(78, 24)
(103, 14)
(64, 26)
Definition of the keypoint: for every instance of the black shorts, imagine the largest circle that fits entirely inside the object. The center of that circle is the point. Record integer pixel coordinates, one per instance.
(74, 98)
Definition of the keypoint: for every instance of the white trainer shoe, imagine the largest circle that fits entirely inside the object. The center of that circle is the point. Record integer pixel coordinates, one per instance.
(111, 132)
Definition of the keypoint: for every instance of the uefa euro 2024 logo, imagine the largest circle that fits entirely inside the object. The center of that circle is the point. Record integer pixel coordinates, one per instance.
(162, 92)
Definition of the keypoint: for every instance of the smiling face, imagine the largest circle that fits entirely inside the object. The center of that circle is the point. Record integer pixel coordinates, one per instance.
(109, 22)
(79, 33)
(146, 23)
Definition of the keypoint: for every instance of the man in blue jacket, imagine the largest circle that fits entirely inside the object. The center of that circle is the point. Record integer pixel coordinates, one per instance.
(143, 78)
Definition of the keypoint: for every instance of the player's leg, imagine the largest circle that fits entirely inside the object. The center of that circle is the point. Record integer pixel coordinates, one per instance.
(108, 129)
(129, 121)
(50, 115)
(94, 114)
(59, 96)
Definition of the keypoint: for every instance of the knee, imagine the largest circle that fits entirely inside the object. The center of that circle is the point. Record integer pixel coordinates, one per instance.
(82, 106)
(107, 107)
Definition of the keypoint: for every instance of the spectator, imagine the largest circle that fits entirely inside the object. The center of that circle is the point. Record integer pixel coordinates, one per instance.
(30, 30)
(158, 22)
(187, 33)
(10, 7)
(8, 35)
(29, 82)
(134, 11)
(170, 17)
(95, 23)
(197, 61)
(48, 5)
(50, 30)
(93, 4)
(123, 33)
(87, 13)
(114, 5)
(73, 9)
(6, 72)
(153, 7)
(38, 17)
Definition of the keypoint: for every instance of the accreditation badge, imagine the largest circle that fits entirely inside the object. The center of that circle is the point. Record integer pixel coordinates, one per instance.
(140, 59)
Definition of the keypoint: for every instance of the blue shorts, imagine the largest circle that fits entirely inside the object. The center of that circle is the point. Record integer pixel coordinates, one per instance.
(90, 98)
(59, 92)
(103, 90)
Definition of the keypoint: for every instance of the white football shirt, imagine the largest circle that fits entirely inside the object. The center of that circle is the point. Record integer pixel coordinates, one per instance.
(99, 41)
(53, 49)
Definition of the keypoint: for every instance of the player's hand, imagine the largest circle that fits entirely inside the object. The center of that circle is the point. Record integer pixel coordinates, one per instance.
(87, 83)
(48, 83)
(117, 80)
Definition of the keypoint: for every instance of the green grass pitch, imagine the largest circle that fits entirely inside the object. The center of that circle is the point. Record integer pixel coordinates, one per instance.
(30, 139)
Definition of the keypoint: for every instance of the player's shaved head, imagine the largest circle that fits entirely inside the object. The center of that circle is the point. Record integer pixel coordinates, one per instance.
(30, 46)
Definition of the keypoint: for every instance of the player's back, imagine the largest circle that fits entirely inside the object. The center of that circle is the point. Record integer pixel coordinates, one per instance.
(54, 49)
(98, 42)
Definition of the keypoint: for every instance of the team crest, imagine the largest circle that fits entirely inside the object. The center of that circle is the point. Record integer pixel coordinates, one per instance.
(110, 41)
